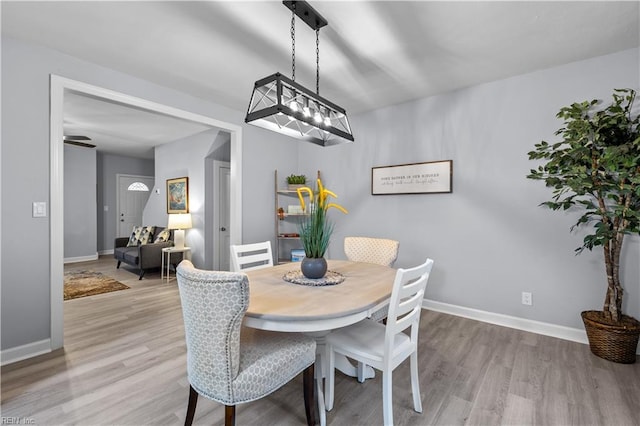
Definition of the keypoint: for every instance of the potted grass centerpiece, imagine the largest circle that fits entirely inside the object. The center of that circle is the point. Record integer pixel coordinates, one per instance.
(596, 168)
(315, 229)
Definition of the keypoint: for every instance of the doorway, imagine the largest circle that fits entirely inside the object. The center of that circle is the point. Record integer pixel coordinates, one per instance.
(58, 88)
(132, 195)
(221, 197)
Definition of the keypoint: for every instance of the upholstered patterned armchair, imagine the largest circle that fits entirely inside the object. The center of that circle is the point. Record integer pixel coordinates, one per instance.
(381, 251)
(229, 363)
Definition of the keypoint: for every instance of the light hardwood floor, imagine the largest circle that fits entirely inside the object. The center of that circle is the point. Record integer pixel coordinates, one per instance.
(124, 364)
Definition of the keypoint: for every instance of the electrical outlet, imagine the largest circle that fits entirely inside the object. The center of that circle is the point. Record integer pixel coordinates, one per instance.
(526, 298)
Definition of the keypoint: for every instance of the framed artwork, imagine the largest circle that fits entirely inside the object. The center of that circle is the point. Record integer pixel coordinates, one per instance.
(178, 195)
(417, 178)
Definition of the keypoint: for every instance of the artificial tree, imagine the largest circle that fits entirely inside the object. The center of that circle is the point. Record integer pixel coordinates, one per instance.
(596, 167)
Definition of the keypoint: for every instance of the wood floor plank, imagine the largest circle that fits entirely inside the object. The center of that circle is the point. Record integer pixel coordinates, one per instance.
(454, 411)
(528, 373)
(519, 411)
(609, 399)
(124, 363)
(489, 404)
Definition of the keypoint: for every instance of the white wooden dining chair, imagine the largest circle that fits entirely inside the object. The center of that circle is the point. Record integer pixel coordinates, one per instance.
(245, 257)
(227, 362)
(384, 347)
(381, 251)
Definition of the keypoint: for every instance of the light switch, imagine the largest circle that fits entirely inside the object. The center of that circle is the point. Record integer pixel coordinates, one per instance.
(106, 208)
(39, 209)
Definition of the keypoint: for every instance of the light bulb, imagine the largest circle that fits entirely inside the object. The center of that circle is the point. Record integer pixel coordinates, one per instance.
(306, 111)
(294, 106)
(317, 117)
(327, 121)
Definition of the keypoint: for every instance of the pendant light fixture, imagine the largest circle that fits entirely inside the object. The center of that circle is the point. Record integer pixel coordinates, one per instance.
(285, 106)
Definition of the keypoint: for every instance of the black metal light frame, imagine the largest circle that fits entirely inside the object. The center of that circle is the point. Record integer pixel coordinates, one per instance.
(280, 104)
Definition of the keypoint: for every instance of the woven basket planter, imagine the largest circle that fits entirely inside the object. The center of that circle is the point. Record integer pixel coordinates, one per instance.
(612, 342)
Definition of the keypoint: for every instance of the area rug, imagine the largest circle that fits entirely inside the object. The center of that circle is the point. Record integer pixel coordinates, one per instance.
(89, 283)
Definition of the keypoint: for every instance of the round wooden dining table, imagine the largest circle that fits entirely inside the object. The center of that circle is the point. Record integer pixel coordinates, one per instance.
(278, 305)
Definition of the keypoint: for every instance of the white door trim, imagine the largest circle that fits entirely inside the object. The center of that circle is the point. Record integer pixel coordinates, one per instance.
(58, 86)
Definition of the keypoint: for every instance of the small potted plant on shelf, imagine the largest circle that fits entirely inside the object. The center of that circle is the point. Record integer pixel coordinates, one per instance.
(596, 168)
(296, 181)
(316, 229)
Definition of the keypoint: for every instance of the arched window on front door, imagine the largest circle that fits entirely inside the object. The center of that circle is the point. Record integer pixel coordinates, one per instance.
(138, 186)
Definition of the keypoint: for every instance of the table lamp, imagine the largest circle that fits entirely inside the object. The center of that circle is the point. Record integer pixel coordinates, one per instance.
(179, 222)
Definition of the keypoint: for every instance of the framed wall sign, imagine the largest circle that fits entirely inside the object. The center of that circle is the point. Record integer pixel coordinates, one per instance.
(178, 195)
(418, 178)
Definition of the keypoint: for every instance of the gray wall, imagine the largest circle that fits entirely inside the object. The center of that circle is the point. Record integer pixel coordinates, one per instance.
(109, 166)
(80, 227)
(268, 155)
(25, 305)
(184, 157)
(25, 179)
(263, 152)
(489, 238)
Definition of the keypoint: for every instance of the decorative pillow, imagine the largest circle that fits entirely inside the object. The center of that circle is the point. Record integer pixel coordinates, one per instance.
(163, 236)
(140, 235)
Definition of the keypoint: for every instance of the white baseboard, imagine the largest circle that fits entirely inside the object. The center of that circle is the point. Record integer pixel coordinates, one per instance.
(29, 350)
(105, 252)
(538, 327)
(544, 328)
(81, 258)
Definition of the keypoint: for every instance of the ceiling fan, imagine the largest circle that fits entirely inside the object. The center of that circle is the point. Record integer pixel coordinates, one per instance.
(78, 140)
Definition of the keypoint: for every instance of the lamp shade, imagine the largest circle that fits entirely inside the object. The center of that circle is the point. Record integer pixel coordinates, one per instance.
(180, 221)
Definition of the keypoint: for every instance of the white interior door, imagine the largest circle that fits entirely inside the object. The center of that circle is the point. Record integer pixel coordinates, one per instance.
(133, 193)
(222, 174)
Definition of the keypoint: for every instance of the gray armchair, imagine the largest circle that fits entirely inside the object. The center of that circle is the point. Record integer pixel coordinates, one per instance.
(144, 256)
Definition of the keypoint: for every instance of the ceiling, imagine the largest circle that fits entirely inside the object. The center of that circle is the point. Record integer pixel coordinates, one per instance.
(121, 129)
(372, 53)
